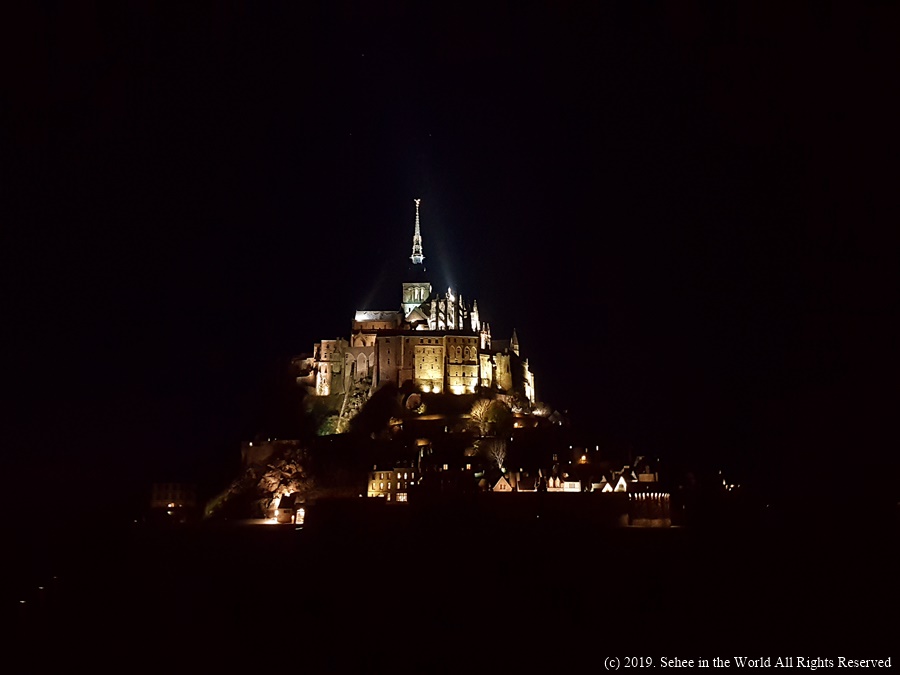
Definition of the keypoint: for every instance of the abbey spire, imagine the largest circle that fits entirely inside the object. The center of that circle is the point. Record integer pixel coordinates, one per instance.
(417, 256)
(416, 288)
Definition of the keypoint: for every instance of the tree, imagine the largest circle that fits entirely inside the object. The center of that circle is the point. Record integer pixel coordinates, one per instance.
(333, 424)
(283, 478)
(494, 451)
(499, 418)
(490, 416)
(478, 414)
(258, 487)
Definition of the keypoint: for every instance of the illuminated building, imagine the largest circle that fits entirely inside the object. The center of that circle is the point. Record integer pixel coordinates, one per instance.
(393, 485)
(436, 342)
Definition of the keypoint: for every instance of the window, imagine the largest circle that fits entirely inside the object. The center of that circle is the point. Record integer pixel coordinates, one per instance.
(381, 486)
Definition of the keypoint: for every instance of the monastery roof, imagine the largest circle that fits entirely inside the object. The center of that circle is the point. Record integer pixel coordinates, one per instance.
(417, 315)
(413, 332)
(375, 315)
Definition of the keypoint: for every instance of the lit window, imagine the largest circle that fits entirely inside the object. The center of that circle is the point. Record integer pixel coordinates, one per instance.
(389, 485)
(381, 486)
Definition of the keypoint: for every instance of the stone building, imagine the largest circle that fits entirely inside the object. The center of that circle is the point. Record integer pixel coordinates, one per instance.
(437, 342)
(393, 485)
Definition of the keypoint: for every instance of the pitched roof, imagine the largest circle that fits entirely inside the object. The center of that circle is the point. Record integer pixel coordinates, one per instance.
(502, 485)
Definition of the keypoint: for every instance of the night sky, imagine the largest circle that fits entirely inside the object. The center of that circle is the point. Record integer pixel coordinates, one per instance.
(686, 211)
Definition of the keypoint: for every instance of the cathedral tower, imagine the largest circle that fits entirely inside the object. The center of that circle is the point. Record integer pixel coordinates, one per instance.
(416, 288)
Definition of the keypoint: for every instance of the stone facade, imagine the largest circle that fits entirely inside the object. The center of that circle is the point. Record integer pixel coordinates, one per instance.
(436, 342)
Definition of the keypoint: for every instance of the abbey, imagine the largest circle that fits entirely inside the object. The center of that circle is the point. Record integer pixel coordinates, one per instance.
(436, 343)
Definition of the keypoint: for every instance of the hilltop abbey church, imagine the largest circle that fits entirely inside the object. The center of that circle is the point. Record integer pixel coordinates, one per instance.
(437, 343)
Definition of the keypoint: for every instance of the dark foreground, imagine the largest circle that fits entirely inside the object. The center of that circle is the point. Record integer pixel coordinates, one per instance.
(432, 599)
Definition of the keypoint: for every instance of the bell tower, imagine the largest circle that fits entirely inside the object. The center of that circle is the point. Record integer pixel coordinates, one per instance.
(416, 289)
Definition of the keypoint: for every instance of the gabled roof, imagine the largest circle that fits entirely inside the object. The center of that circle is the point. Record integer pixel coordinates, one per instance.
(502, 485)
(417, 315)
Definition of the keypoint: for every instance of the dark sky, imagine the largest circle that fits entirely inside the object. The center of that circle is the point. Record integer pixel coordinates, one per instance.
(687, 211)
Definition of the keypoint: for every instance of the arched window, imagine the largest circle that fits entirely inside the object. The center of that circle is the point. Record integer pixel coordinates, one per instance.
(362, 365)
